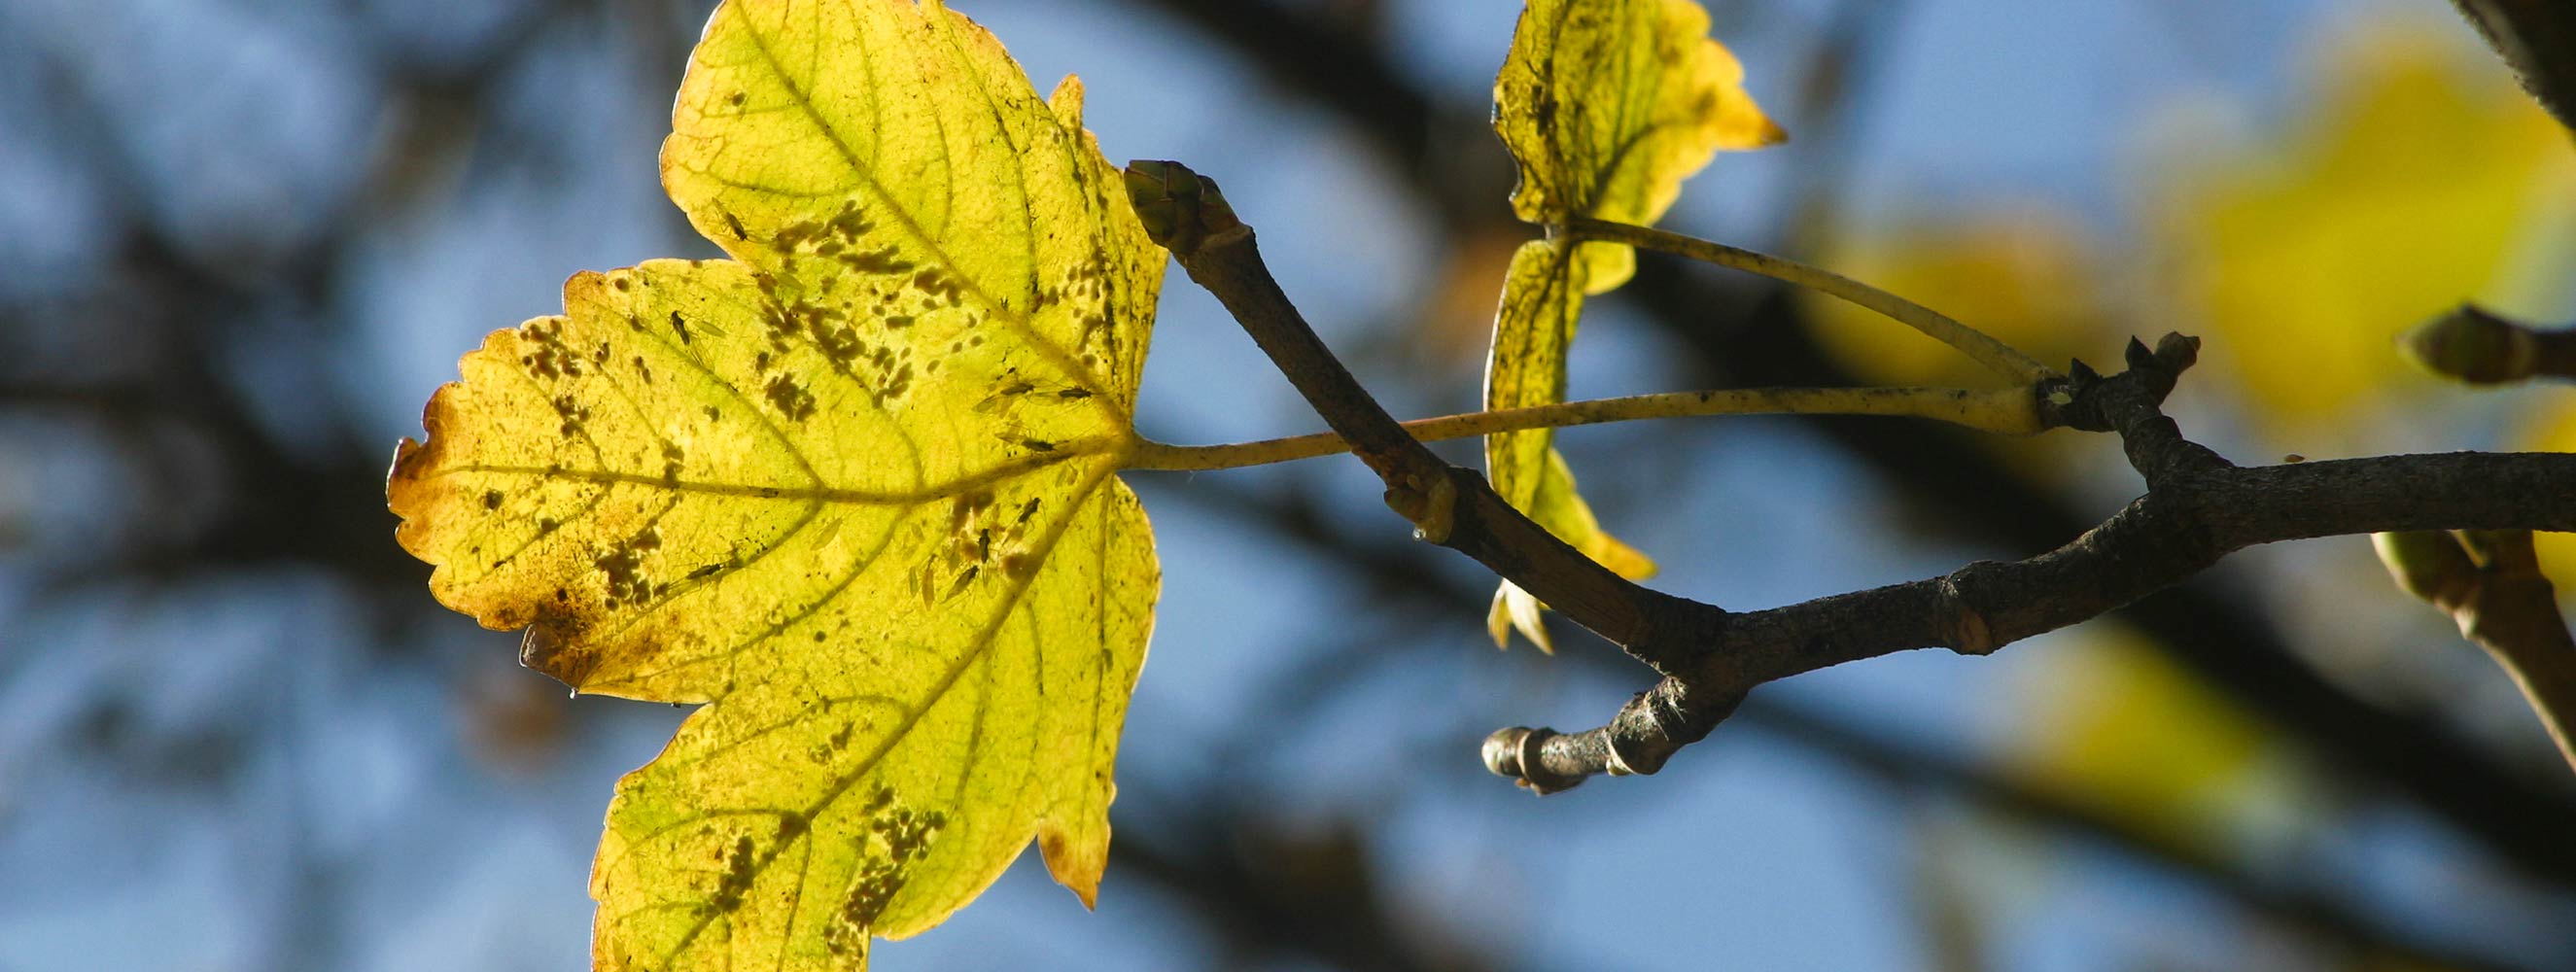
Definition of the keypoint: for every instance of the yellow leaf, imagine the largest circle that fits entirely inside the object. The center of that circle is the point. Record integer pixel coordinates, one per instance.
(853, 489)
(1607, 106)
(2420, 179)
(2112, 725)
(2554, 430)
(1556, 506)
(2024, 273)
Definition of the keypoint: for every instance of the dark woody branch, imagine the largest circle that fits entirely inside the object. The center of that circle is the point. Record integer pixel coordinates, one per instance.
(2301, 899)
(1448, 505)
(2198, 508)
(2538, 38)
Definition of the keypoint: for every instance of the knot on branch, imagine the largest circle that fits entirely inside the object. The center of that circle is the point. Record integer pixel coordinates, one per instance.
(2092, 402)
(1963, 624)
(2131, 404)
(1181, 210)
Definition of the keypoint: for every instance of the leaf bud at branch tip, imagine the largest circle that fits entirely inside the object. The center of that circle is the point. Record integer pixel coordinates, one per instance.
(2429, 564)
(2474, 346)
(1515, 752)
(1180, 209)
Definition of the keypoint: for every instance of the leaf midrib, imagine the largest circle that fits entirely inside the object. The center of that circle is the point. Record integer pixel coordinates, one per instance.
(936, 692)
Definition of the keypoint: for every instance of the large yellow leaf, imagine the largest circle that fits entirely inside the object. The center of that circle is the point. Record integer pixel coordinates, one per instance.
(853, 489)
(1607, 105)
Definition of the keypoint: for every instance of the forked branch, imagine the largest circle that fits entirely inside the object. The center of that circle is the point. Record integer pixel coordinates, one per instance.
(2198, 508)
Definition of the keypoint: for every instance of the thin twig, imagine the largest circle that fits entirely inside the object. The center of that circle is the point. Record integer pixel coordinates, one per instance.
(1448, 505)
(2198, 508)
(1997, 356)
(2004, 411)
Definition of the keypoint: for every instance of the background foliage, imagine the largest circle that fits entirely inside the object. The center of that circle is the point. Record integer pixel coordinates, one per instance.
(245, 239)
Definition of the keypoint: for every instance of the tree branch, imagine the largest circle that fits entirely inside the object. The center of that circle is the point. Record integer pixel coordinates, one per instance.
(1449, 505)
(1734, 336)
(2198, 509)
(1393, 575)
(2538, 39)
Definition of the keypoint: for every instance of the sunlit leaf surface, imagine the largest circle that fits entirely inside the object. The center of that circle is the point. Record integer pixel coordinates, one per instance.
(1607, 106)
(852, 488)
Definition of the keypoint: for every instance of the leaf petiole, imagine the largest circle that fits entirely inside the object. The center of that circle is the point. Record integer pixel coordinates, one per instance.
(2007, 411)
(1995, 355)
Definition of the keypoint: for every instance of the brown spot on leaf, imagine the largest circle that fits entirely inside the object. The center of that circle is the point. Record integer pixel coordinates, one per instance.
(623, 566)
(739, 868)
(552, 646)
(898, 837)
(791, 399)
(881, 260)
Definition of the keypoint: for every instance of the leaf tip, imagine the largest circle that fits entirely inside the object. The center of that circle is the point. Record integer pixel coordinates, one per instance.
(1066, 102)
(1076, 867)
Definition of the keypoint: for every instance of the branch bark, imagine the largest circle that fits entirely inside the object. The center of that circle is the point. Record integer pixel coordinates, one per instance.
(1448, 505)
(2198, 508)
(2538, 39)
(1729, 335)
(2193, 514)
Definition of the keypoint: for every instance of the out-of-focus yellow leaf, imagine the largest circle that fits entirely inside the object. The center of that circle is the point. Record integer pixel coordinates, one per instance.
(2115, 726)
(853, 489)
(2555, 431)
(2027, 276)
(1607, 105)
(2420, 178)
